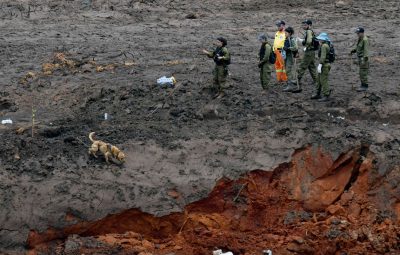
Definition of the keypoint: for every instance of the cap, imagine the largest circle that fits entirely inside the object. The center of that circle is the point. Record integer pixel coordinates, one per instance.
(223, 40)
(307, 21)
(280, 22)
(262, 37)
(290, 30)
(323, 37)
(359, 30)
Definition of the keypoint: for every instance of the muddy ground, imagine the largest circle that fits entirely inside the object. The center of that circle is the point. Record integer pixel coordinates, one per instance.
(179, 140)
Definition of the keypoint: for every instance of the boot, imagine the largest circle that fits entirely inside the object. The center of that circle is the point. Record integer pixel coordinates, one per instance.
(290, 87)
(323, 99)
(316, 96)
(364, 87)
(297, 87)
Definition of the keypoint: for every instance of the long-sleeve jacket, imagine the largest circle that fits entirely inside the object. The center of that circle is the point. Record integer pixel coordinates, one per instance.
(362, 48)
(290, 47)
(265, 51)
(323, 53)
(308, 40)
(220, 52)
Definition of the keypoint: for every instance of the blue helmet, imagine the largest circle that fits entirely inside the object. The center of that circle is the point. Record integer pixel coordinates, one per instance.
(323, 37)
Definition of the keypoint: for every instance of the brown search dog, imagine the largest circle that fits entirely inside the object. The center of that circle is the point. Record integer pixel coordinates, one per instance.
(109, 151)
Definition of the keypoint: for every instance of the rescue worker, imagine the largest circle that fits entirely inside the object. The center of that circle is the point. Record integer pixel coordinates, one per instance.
(291, 52)
(278, 47)
(362, 50)
(221, 58)
(323, 69)
(308, 61)
(264, 64)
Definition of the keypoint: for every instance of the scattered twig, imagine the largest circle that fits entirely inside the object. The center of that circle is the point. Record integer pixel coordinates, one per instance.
(82, 142)
(240, 190)
(184, 223)
(165, 100)
(33, 120)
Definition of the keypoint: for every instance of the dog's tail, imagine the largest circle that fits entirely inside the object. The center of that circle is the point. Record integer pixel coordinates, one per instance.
(91, 137)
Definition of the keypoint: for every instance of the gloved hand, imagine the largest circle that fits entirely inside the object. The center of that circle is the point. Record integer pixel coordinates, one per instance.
(319, 69)
(220, 58)
(299, 39)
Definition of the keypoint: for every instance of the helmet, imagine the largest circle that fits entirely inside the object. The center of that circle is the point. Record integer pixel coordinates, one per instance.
(359, 30)
(323, 37)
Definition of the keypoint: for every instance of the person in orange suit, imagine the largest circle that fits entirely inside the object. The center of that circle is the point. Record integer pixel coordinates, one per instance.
(279, 43)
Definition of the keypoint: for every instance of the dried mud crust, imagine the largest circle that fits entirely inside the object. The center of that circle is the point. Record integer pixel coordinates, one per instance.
(73, 61)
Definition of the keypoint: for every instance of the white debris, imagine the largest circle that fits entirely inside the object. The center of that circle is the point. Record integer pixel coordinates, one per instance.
(267, 252)
(6, 121)
(166, 81)
(340, 117)
(385, 124)
(219, 252)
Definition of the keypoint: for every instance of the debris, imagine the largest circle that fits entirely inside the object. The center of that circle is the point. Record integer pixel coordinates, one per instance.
(169, 82)
(219, 252)
(267, 252)
(7, 121)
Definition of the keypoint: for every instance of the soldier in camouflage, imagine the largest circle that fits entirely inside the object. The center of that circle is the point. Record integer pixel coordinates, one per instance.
(221, 58)
(362, 50)
(308, 61)
(264, 64)
(323, 69)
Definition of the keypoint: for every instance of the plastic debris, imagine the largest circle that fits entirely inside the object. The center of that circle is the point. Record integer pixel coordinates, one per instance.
(219, 252)
(6, 121)
(165, 81)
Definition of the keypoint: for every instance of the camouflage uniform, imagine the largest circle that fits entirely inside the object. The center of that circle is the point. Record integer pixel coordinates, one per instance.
(220, 71)
(362, 50)
(308, 61)
(291, 50)
(264, 65)
(322, 78)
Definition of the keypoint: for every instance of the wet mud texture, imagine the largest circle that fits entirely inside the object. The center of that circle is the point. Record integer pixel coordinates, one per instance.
(67, 63)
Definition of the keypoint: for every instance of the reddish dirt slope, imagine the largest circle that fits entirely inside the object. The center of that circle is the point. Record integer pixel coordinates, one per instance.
(312, 205)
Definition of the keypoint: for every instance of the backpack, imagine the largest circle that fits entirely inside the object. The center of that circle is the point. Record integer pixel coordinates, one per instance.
(331, 53)
(272, 57)
(315, 43)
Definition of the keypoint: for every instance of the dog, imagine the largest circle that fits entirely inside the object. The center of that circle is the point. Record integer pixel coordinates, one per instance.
(109, 151)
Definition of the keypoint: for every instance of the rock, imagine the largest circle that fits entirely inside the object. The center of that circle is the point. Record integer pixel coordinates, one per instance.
(147, 245)
(346, 197)
(72, 246)
(174, 194)
(354, 210)
(297, 239)
(336, 210)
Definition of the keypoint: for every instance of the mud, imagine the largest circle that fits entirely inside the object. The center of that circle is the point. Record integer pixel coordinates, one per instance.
(295, 209)
(69, 62)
